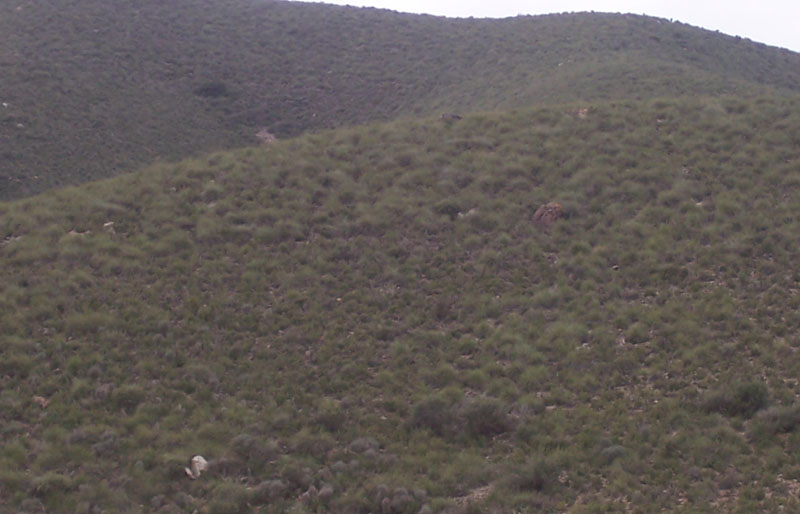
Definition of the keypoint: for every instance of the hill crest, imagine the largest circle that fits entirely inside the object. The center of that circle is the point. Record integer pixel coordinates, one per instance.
(106, 87)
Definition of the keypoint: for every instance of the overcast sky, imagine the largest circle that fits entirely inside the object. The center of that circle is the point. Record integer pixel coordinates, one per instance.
(774, 22)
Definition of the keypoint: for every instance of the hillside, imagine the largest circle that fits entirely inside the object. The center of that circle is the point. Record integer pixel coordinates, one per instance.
(94, 88)
(369, 320)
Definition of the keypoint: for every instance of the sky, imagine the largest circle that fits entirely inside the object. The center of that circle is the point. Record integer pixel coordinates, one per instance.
(774, 22)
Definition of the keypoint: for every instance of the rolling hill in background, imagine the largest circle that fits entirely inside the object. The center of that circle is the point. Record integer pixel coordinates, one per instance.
(94, 88)
(371, 314)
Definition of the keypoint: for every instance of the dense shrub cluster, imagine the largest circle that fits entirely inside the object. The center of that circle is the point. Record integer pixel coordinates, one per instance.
(744, 399)
(478, 417)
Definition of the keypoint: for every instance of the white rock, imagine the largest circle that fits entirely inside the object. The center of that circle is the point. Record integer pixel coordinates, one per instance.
(197, 465)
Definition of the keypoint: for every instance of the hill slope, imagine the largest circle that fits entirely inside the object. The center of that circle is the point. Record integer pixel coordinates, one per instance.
(368, 320)
(92, 88)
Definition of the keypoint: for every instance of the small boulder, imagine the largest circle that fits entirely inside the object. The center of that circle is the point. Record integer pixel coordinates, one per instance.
(196, 467)
(325, 493)
(547, 214)
(265, 136)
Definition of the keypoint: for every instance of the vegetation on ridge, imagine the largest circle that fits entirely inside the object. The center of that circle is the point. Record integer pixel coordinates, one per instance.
(367, 320)
(93, 88)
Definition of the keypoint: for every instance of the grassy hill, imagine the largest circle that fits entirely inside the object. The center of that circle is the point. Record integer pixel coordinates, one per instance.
(369, 320)
(93, 88)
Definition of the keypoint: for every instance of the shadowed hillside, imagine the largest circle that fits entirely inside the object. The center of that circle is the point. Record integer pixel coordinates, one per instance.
(369, 320)
(93, 88)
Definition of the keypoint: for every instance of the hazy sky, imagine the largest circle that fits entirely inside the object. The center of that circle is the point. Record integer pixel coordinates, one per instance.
(773, 22)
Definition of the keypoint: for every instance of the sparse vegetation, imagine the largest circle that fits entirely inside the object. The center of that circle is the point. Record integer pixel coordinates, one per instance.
(369, 319)
(374, 318)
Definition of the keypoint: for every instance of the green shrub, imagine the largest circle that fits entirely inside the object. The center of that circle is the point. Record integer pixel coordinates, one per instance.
(744, 399)
(269, 491)
(255, 451)
(448, 208)
(315, 445)
(127, 397)
(436, 414)
(229, 498)
(331, 415)
(83, 323)
(295, 474)
(773, 421)
(534, 475)
(16, 365)
(52, 483)
(611, 453)
(637, 333)
(486, 417)
(14, 483)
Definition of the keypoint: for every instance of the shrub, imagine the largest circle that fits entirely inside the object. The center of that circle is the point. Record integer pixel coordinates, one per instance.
(442, 375)
(253, 450)
(362, 444)
(229, 467)
(229, 498)
(611, 453)
(315, 445)
(269, 490)
(16, 366)
(297, 476)
(435, 414)
(448, 208)
(486, 417)
(402, 502)
(330, 415)
(742, 400)
(534, 475)
(13, 481)
(773, 421)
(212, 90)
(127, 397)
(84, 323)
(637, 333)
(51, 483)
